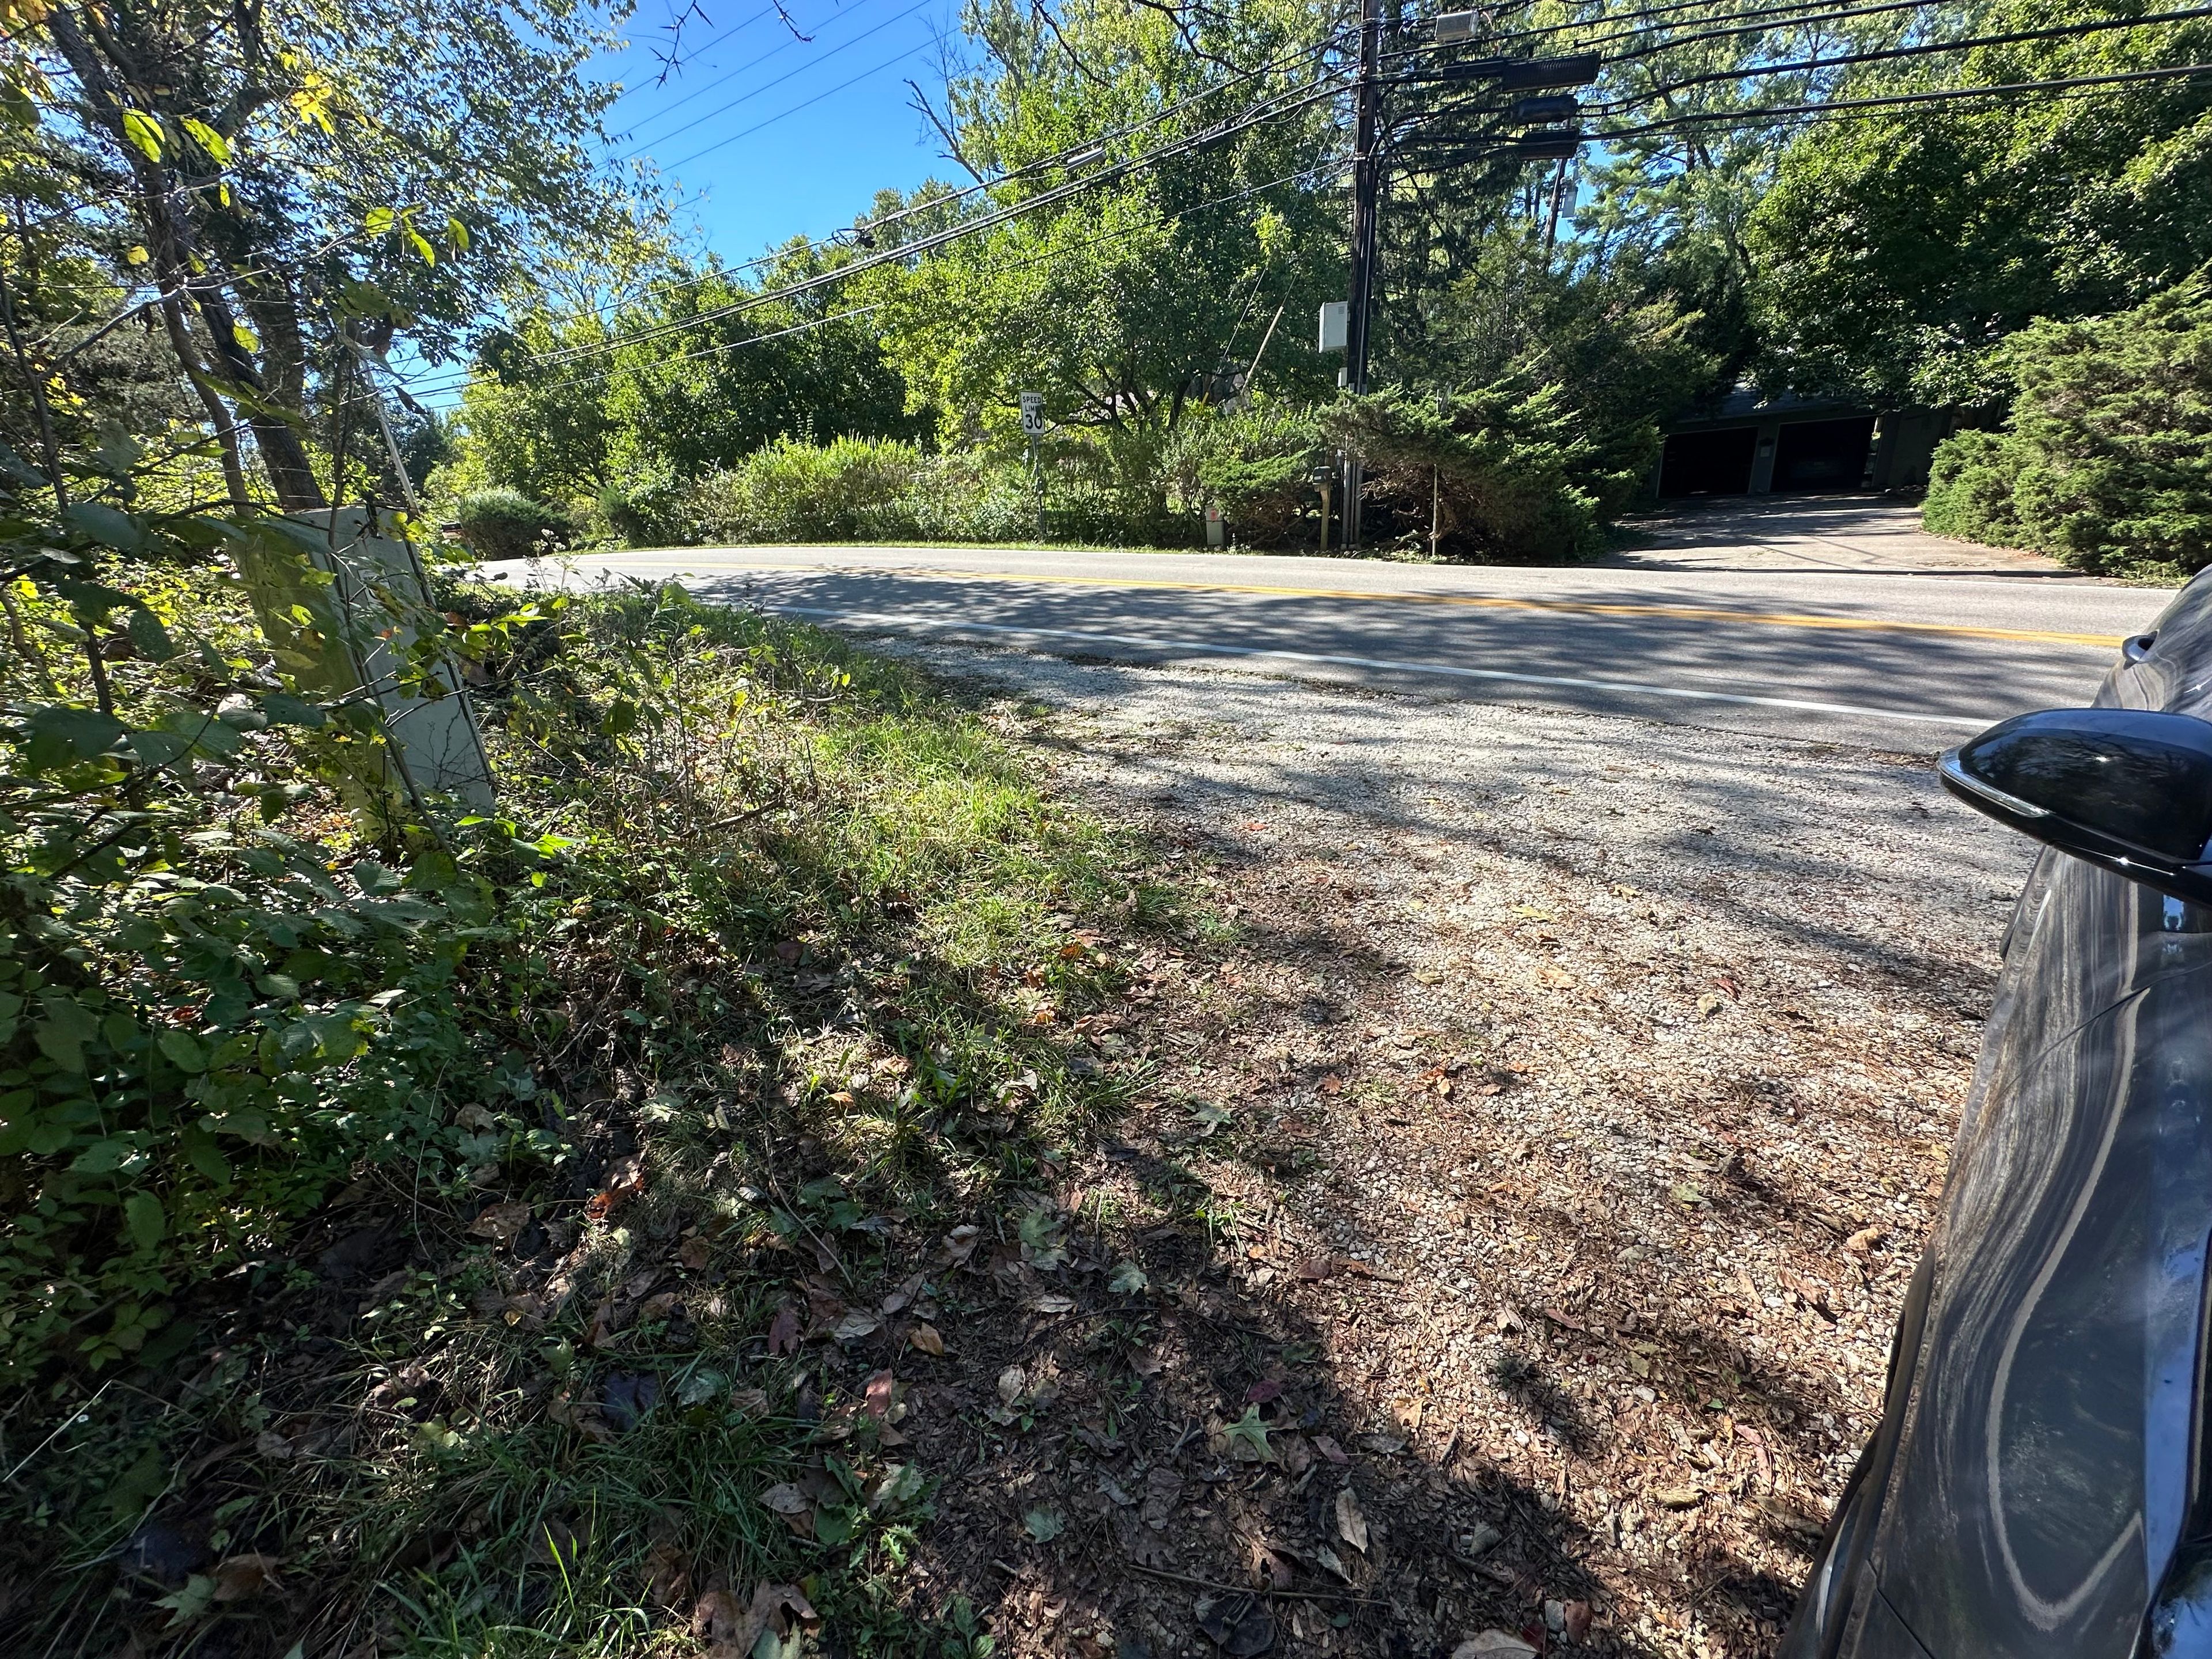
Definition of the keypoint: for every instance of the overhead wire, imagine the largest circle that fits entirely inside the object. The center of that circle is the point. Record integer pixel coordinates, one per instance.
(1060, 158)
(1280, 104)
(770, 85)
(1004, 268)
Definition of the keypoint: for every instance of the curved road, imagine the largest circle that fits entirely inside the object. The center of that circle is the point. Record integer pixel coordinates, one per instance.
(1881, 656)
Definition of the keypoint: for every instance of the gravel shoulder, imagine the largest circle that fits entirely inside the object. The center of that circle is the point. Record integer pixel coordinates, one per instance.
(1564, 1099)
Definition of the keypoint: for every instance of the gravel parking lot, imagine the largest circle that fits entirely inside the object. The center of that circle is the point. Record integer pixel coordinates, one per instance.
(1576, 1091)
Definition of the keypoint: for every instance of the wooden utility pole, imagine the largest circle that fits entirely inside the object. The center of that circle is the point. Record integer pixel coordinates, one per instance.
(1366, 192)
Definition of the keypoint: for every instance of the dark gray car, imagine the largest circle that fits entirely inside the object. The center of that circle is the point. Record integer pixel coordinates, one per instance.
(2036, 1486)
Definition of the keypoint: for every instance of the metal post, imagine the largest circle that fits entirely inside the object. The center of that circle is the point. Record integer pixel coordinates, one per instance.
(1366, 189)
(1036, 486)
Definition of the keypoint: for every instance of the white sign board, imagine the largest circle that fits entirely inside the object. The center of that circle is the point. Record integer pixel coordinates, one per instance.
(1033, 413)
(1336, 325)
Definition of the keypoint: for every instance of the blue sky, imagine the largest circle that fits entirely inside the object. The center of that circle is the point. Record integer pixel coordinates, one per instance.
(765, 135)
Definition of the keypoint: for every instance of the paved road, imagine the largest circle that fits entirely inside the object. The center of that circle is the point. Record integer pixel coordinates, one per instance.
(1905, 662)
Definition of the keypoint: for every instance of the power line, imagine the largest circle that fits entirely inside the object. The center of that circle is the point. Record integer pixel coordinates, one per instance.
(1068, 156)
(1283, 103)
(2064, 32)
(697, 52)
(769, 86)
(723, 143)
(1943, 95)
(998, 270)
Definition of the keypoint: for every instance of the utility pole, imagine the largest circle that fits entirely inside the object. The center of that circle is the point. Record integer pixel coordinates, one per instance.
(1366, 191)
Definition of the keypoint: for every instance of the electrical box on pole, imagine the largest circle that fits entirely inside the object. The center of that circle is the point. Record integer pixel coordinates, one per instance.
(1522, 73)
(1335, 321)
(1451, 26)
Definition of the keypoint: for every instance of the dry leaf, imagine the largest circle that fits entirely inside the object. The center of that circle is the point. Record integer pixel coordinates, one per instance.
(1163, 1491)
(854, 1326)
(667, 1575)
(1575, 1620)
(881, 1388)
(244, 1576)
(925, 1337)
(960, 1244)
(1326, 1446)
(1011, 1382)
(783, 1331)
(691, 1254)
(500, 1222)
(1053, 1305)
(1351, 1524)
(1864, 1240)
(1493, 1645)
(1678, 1497)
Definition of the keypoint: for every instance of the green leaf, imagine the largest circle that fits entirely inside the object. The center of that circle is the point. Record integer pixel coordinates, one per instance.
(185, 1051)
(457, 234)
(1128, 1280)
(245, 337)
(1250, 1432)
(421, 244)
(151, 638)
(378, 220)
(143, 1215)
(834, 1525)
(203, 1154)
(96, 521)
(216, 146)
(66, 1029)
(104, 1156)
(285, 709)
(144, 132)
(60, 734)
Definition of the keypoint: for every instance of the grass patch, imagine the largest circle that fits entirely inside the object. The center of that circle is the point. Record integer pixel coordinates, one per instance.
(773, 985)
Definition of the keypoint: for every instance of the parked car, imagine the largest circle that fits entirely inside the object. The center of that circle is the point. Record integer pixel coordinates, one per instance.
(2037, 1485)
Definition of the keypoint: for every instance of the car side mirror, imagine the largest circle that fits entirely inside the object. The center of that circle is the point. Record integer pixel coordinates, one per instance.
(2127, 789)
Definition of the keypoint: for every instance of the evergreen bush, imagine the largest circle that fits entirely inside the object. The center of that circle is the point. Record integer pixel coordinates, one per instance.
(2105, 461)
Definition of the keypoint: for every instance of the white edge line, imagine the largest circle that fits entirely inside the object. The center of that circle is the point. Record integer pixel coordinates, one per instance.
(899, 619)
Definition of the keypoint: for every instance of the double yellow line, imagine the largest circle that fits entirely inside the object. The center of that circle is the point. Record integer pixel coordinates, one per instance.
(1472, 601)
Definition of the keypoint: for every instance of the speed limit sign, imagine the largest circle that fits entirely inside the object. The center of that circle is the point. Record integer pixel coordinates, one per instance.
(1033, 413)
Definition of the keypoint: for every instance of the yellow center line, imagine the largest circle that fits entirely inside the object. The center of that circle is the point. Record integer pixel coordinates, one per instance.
(1481, 601)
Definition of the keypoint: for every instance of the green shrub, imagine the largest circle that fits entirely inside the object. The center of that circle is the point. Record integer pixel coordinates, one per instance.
(1256, 465)
(2105, 461)
(505, 523)
(1970, 489)
(853, 490)
(647, 512)
(1507, 474)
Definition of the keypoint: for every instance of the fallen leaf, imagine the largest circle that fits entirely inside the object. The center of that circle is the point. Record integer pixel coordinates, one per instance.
(1709, 1004)
(748, 1402)
(692, 1253)
(1163, 1491)
(1011, 1382)
(628, 1395)
(881, 1388)
(667, 1575)
(1043, 1525)
(1237, 1624)
(500, 1223)
(270, 1443)
(1128, 1280)
(1329, 1559)
(1864, 1240)
(793, 1505)
(854, 1326)
(960, 1244)
(1315, 1268)
(1053, 1305)
(1493, 1644)
(1575, 1620)
(657, 1307)
(1247, 1439)
(903, 1298)
(1351, 1524)
(1678, 1497)
(925, 1337)
(244, 1576)
(721, 1624)
(1326, 1446)
(783, 1331)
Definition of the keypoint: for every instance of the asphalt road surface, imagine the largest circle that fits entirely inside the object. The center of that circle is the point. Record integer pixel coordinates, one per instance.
(1899, 643)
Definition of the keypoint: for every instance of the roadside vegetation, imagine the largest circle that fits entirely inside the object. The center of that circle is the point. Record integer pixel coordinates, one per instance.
(455, 1242)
